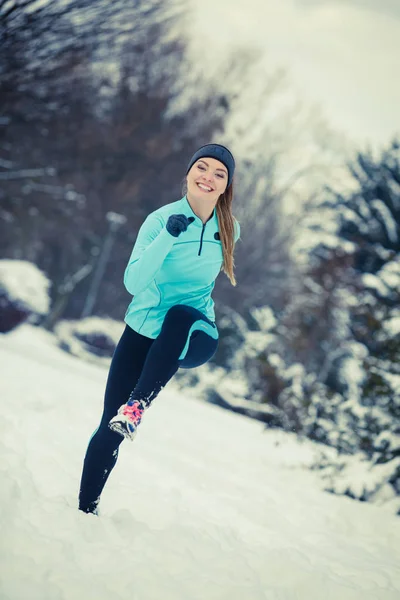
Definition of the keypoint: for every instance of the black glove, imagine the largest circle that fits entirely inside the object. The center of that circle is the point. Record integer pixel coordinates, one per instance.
(176, 224)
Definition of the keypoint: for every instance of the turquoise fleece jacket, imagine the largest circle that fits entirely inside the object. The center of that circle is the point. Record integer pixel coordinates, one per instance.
(164, 270)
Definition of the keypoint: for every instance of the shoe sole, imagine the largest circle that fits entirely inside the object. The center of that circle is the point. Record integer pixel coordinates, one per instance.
(121, 427)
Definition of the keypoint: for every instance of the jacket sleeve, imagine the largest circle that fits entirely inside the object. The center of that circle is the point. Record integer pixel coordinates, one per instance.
(152, 245)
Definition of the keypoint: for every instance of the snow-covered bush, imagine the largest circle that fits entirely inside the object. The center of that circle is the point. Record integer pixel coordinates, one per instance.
(359, 478)
(361, 424)
(232, 329)
(231, 381)
(93, 339)
(23, 294)
(370, 412)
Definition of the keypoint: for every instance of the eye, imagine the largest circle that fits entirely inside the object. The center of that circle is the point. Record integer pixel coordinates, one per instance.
(201, 167)
(221, 175)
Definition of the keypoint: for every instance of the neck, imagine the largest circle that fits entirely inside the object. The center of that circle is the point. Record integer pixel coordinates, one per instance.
(202, 208)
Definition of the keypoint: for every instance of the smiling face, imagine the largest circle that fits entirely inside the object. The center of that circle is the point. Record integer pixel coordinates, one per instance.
(207, 180)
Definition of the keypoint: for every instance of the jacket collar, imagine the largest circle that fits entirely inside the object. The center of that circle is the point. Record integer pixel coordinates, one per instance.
(197, 219)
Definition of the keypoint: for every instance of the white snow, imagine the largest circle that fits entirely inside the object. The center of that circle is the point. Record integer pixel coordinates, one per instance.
(386, 217)
(374, 283)
(72, 333)
(24, 282)
(387, 279)
(359, 477)
(392, 326)
(205, 504)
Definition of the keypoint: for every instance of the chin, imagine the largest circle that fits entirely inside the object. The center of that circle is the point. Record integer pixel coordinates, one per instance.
(199, 195)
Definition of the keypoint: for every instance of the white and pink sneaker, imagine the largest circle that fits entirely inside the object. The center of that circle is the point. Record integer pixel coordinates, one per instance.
(128, 418)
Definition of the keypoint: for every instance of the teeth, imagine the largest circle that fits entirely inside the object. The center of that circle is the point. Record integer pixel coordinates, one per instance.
(204, 187)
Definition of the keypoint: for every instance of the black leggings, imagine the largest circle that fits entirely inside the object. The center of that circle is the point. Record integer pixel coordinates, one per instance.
(140, 368)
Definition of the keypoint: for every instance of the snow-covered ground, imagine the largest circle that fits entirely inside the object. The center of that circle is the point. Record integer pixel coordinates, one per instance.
(203, 505)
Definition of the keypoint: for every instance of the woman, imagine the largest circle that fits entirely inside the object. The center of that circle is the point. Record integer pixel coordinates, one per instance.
(170, 322)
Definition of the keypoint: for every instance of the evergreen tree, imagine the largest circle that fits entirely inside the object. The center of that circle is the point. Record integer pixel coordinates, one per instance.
(366, 372)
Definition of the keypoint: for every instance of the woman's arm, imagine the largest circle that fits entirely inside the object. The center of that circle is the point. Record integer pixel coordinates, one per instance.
(151, 247)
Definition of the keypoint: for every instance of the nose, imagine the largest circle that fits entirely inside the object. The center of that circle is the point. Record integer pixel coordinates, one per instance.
(207, 177)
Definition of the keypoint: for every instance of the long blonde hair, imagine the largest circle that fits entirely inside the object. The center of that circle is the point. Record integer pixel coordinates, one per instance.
(226, 222)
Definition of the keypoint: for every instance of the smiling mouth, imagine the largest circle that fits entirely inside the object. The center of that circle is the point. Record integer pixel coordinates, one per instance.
(204, 188)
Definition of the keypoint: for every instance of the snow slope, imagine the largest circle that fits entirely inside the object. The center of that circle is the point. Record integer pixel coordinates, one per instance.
(203, 505)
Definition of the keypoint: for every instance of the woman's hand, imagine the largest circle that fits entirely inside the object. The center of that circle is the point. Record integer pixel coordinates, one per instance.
(177, 224)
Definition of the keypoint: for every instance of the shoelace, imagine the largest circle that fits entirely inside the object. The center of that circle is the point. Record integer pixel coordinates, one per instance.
(134, 412)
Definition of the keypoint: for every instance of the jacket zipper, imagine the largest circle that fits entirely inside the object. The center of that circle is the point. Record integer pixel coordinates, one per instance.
(201, 238)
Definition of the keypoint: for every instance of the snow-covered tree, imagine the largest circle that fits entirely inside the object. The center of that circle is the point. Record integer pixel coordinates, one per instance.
(363, 364)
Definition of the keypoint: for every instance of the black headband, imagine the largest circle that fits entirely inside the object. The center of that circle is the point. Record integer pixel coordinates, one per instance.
(219, 153)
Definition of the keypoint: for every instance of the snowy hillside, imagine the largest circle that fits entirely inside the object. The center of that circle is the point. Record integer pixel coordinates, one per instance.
(204, 505)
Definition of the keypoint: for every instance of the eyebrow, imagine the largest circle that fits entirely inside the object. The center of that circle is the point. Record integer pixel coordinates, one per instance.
(217, 169)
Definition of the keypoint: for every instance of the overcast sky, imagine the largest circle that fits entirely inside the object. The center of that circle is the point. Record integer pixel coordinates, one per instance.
(342, 54)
